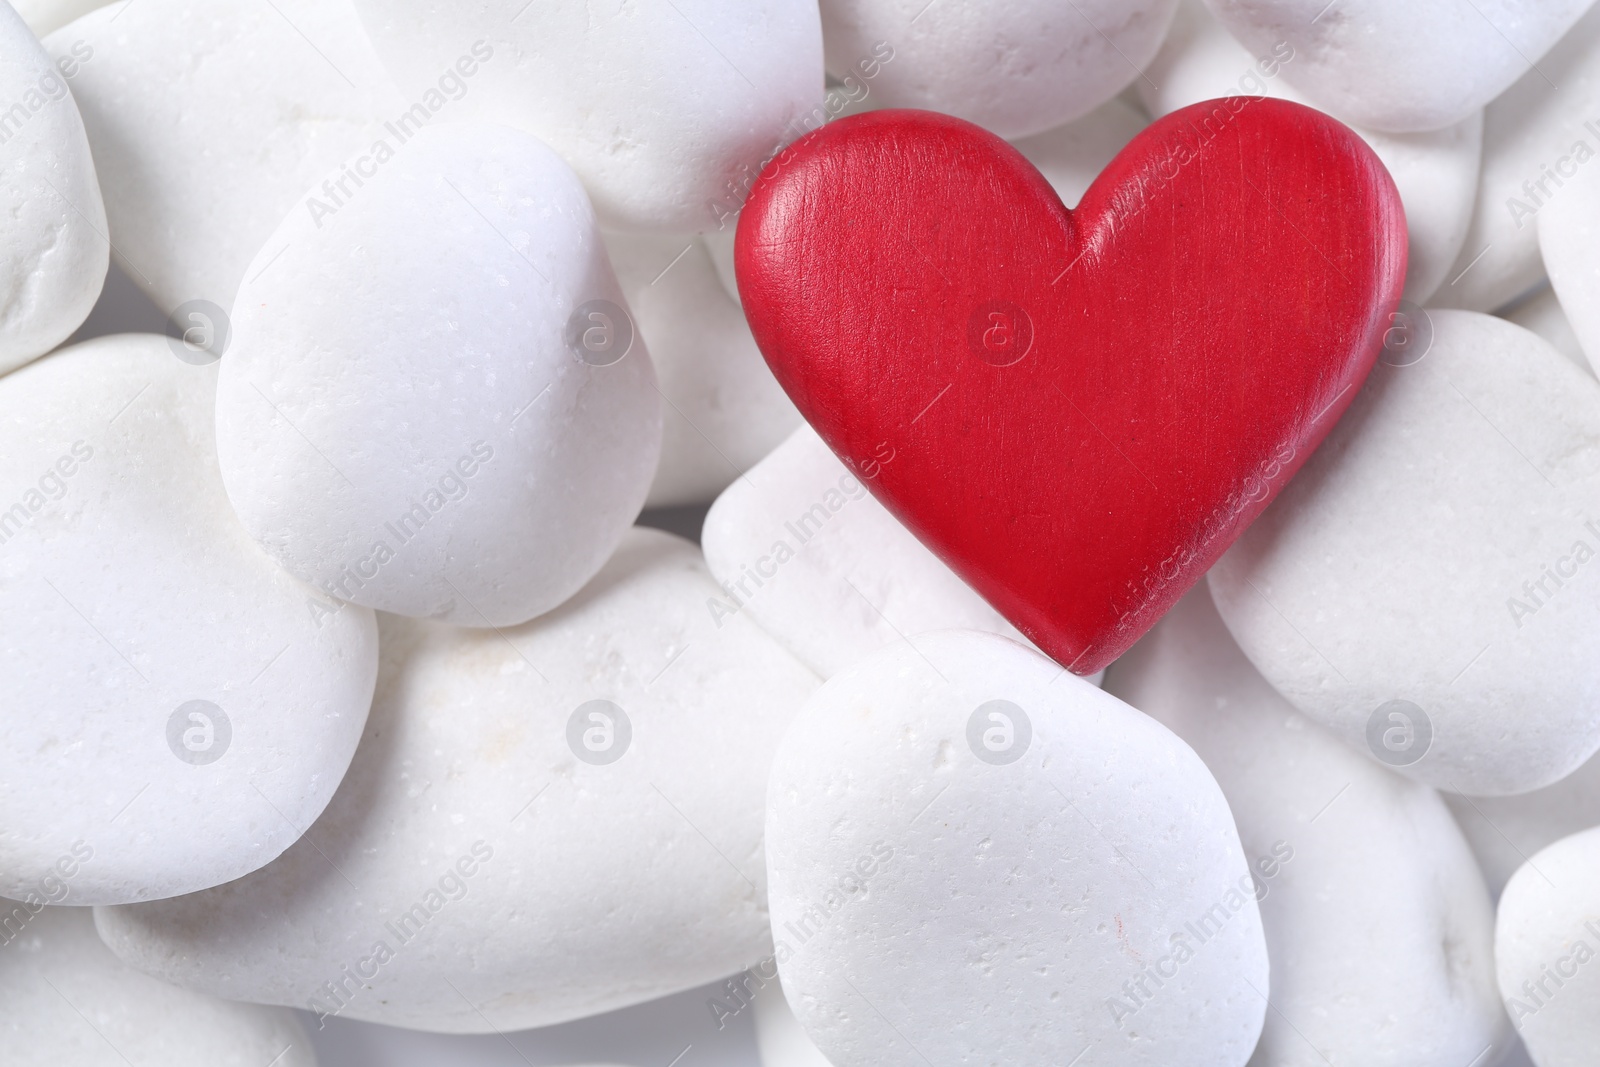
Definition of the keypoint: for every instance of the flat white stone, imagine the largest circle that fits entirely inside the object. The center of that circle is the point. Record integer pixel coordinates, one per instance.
(1369, 895)
(1505, 831)
(803, 548)
(1532, 135)
(1541, 312)
(65, 1000)
(1072, 156)
(481, 496)
(210, 122)
(974, 855)
(1393, 591)
(482, 868)
(1435, 172)
(723, 408)
(1403, 67)
(53, 253)
(1017, 67)
(1547, 938)
(175, 704)
(666, 111)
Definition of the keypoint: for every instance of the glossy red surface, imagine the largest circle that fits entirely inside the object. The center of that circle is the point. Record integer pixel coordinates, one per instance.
(1085, 407)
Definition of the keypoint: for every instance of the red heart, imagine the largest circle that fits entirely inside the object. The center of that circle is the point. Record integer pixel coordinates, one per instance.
(1084, 407)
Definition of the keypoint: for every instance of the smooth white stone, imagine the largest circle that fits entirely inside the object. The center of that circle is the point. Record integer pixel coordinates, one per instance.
(666, 111)
(926, 902)
(47, 16)
(480, 497)
(800, 545)
(210, 122)
(1547, 938)
(779, 1035)
(1017, 68)
(1398, 565)
(723, 408)
(1378, 926)
(1528, 131)
(65, 1000)
(53, 255)
(1403, 67)
(1072, 156)
(1436, 172)
(1541, 312)
(591, 887)
(128, 590)
(1505, 831)
(1569, 228)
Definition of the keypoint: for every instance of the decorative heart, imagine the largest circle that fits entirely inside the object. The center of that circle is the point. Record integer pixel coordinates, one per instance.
(1085, 407)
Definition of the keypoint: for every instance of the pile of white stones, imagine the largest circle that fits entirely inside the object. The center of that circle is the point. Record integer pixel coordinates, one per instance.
(336, 676)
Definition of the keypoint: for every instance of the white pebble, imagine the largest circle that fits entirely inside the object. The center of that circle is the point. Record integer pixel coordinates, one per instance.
(1378, 926)
(53, 255)
(1436, 172)
(178, 708)
(1541, 312)
(779, 1036)
(1529, 131)
(666, 111)
(1403, 67)
(1568, 231)
(209, 123)
(65, 1000)
(1547, 940)
(542, 823)
(1425, 587)
(1072, 156)
(483, 494)
(1505, 831)
(800, 545)
(974, 855)
(723, 410)
(1016, 67)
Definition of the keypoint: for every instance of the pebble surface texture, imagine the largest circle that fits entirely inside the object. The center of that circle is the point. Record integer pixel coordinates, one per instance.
(1364, 61)
(65, 1000)
(212, 121)
(1459, 654)
(175, 703)
(53, 255)
(482, 496)
(500, 858)
(959, 829)
(1369, 895)
(712, 90)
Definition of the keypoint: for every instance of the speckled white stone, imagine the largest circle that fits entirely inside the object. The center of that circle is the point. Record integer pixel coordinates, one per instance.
(1547, 951)
(1403, 67)
(723, 410)
(585, 887)
(66, 1000)
(803, 548)
(1016, 67)
(209, 122)
(1435, 172)
(127, 590)
(53, 251)
(1505, 831)
(1528, 131)
(1401, 565)
(481, 496)
(926, 903)
(666, 111)
(1541, 312)
(1369, 896)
